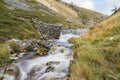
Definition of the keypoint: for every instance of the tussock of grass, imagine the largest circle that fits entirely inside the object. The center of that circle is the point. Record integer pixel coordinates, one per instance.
(97, 56)
(4, 55)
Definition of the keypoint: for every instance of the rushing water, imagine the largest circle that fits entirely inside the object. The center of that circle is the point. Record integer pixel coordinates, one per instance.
(53, 66)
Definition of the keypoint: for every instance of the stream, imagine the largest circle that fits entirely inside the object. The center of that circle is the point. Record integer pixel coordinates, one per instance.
(54, 66)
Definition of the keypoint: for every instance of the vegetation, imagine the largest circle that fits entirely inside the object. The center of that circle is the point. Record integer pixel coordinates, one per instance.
(97, 55)
(77, 14)
(11, 26)
(86, 16)
(4, 55)
(62, 9)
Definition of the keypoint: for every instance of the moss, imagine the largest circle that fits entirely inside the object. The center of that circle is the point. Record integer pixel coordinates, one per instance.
(4, 55)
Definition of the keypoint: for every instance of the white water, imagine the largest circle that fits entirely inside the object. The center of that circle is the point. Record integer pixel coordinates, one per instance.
(55, 65)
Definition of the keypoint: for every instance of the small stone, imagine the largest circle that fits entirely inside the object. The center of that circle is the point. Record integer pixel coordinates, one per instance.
(111, 38)
(52, 63)
(49, 69)
(13, 58)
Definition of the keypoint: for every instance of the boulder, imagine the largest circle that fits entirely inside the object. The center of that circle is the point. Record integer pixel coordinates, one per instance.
(52, 63)
(69, 20)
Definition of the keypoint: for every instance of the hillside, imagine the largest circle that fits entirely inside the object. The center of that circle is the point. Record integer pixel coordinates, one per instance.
(76, 14)
(18, 17)
(97, 55)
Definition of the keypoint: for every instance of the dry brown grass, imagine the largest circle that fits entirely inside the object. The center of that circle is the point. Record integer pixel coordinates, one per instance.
(97, 57)
(62, 9)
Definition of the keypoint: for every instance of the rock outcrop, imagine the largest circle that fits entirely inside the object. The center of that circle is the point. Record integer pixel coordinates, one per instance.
(19, 48)
(19, 4)
(48, 31)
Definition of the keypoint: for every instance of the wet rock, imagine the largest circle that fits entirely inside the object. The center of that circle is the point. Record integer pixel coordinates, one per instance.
(34, 56)
(10, 67)
(16, 56)
(42, 50)
(52, 50)
(62, 50)
(13, 58)
(8, 71)
(21, 54)
(52, 63)
(17, 46)
(41, 54)
(49, 69)
(1, 78)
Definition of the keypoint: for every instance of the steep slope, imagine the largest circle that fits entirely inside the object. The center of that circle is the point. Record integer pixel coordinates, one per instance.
(60, 8)
(97, 55)
(88, 17)
(72, 15)
(77, 14)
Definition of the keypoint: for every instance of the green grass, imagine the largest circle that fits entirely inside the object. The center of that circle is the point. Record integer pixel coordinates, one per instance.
(96, 56)
(4, 55)
(12, 24)
(12, 27)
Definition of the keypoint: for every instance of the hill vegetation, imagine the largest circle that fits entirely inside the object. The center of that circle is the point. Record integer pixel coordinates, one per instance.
(17, 21)
(97, 55)
(77, 14)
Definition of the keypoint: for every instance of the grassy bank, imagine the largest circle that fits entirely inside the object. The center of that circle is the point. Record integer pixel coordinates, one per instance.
(97, 55)
(4, 55)
(11, 26)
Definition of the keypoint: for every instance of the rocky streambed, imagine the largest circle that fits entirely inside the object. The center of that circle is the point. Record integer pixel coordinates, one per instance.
(32, 64)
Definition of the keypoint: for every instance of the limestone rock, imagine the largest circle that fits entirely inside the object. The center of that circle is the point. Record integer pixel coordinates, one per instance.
(19, 4)
(47, 30)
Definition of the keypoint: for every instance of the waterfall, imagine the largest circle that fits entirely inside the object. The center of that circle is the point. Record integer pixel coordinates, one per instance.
(80, 31)
(53, 66)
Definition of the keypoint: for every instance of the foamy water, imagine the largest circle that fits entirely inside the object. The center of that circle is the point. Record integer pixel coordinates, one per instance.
(53, 66)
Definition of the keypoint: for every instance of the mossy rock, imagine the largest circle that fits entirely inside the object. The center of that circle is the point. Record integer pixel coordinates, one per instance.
(15, 47)
(42, 51)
